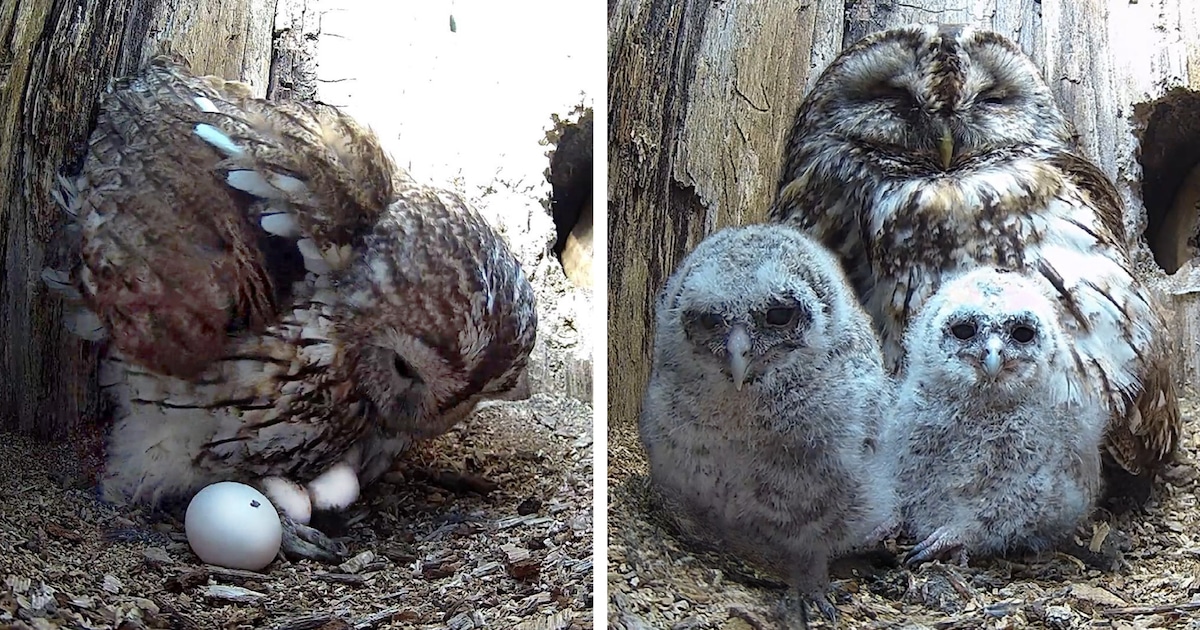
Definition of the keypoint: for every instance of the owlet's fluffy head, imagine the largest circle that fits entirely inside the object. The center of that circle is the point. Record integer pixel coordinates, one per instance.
(442, 314)
(933, 95)
(990, 330)
(748, 300)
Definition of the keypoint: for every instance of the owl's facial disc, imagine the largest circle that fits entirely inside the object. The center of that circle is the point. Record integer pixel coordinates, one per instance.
(939, 97)
(747, 343)
(996, 351)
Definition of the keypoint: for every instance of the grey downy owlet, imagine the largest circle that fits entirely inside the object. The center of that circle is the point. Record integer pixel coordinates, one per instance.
(995, 439)
(766, 387)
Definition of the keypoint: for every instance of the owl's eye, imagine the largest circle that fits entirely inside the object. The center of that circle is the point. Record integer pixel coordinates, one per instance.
(994, 98)
(887, 92)
(781, 315)
(403, 369)
(963, 331)
(710, 320)
(1022, 333)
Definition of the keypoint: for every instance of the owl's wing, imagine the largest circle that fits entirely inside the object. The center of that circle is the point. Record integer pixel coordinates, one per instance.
(1145, 436)
(1105, 200)
(167, 262)
(323, 179)
(1145, 424)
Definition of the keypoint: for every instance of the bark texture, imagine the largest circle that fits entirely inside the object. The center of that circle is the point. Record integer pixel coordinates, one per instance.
(702, 95)
(56, 57)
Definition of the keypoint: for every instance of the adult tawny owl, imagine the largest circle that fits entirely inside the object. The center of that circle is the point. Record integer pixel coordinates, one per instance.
(278, 301)
(767, 385)
(994, 440)
(926, 150)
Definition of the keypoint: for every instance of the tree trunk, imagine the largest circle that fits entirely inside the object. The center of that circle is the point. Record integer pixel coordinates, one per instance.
(702, 96)
(55, 60)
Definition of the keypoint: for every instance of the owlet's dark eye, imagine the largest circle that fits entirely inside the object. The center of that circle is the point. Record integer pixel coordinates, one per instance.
(1022, 333)
(403, 369)
(710, 320)
(781, 315)
(963, 331)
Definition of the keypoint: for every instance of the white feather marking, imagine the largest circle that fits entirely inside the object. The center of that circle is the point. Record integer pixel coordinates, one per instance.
(289, 184)
(60, 282)
(206, 105)
(111, 373)
(313, 260)
(319, 354)
(280, 224)
(151, 451)
(84, 323)
(338, 257)
(218, 139)
(251, 182)
(308, 248)
(324, 296)
(66, 194)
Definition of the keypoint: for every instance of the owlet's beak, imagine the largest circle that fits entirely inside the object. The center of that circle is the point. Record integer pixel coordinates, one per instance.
(946, 148)
(993, 357)
(738, 347)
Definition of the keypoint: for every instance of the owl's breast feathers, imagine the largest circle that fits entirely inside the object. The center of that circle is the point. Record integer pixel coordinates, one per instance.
(278, 403)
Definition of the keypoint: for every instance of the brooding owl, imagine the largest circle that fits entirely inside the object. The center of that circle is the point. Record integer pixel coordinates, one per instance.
(279, 303)
(767, 382)
(994, 441)
(926, 150)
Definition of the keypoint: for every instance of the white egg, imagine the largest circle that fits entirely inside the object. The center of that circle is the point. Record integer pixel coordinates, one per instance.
(232, 525)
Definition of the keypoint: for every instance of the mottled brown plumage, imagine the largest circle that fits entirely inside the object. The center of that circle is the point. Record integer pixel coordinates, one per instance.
(280, 302)
(154, 205)
(927, 150)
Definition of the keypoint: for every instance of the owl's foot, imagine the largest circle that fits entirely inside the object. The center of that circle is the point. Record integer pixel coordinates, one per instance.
(941, 543)
(301, 542)
(888, 529)
(795, 606)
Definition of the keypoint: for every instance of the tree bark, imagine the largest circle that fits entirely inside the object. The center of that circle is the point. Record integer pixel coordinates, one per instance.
(702, 96)
(56, 58)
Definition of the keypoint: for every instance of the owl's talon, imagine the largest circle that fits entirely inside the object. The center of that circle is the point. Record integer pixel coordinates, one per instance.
(301, 542)
(889, 529)
(795, 606)
(939, 544)
(826, 608)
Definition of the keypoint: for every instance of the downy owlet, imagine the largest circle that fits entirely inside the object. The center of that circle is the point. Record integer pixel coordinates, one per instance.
(766, 388)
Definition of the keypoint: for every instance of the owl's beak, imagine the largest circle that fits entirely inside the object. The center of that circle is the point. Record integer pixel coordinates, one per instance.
(993, 357)
(946, 148)
(738, 347)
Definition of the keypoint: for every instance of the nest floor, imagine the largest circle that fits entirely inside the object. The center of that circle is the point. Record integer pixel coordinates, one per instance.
(490, 524)
(1146, 574)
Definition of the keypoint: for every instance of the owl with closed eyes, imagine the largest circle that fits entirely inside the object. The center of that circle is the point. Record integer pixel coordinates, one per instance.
(931, 149)
(276, 301)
